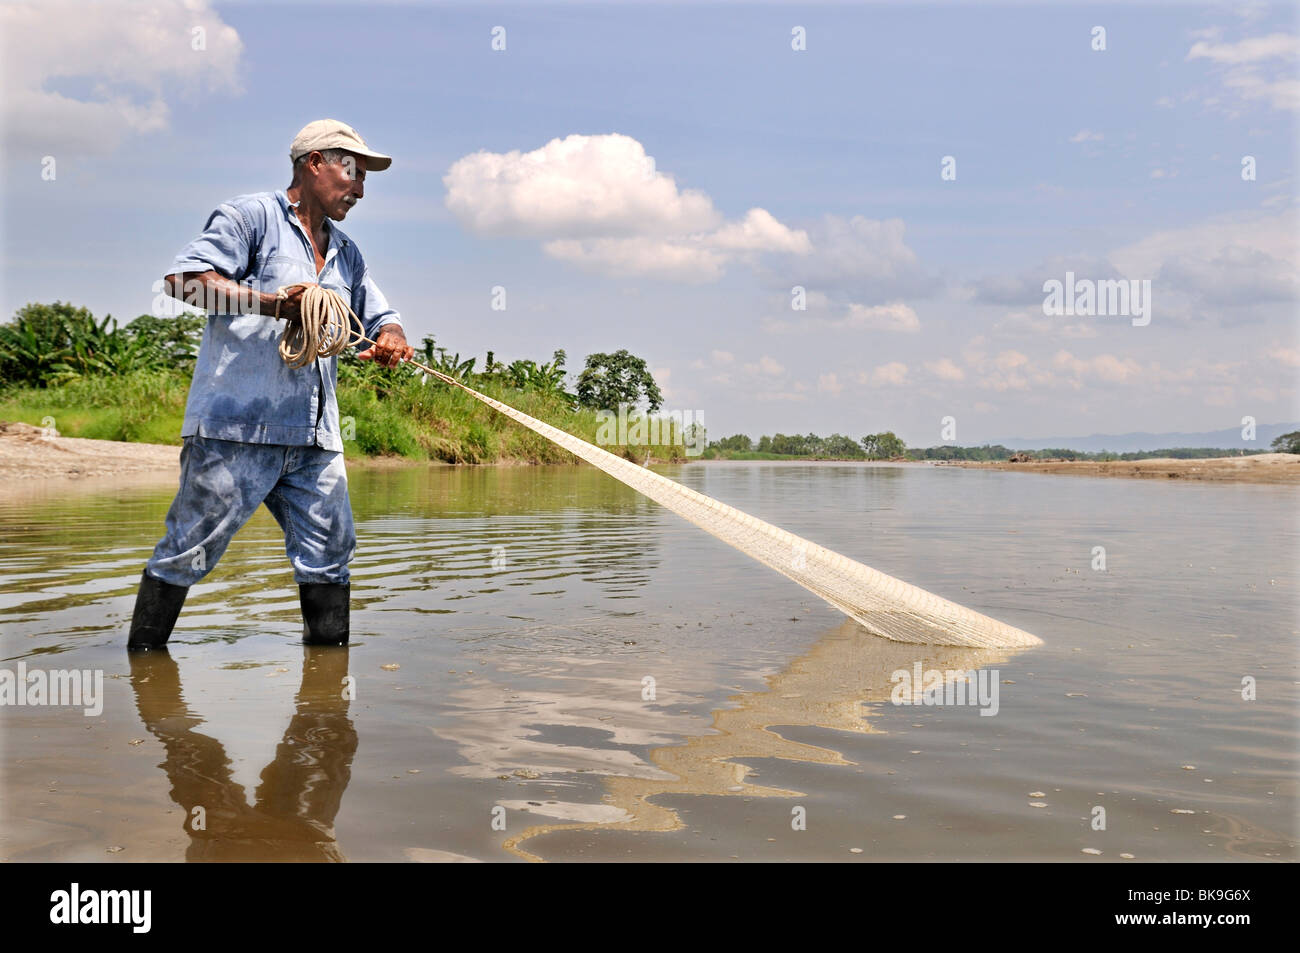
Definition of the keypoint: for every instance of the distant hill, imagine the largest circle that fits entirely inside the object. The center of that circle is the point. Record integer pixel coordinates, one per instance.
(1229, 439)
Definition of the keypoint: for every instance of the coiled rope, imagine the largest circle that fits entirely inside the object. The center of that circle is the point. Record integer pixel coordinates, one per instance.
(884, 605)
(323, 327)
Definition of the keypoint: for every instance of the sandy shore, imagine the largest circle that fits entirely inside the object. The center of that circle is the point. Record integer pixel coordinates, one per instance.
(1261, 468)
(32, 462)
(28, 453)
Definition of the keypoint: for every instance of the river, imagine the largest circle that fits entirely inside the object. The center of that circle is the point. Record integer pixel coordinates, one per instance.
(546, 666)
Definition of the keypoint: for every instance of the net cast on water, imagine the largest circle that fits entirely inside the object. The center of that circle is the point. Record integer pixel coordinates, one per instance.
(885, 606)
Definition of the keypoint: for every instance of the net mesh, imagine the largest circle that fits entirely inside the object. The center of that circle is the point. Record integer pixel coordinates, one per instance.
(886, 606)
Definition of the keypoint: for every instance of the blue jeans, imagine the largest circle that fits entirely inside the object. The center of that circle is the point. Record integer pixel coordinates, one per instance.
(224, 482)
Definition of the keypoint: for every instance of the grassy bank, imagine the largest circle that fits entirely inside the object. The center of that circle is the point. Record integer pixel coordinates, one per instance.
(392, 414)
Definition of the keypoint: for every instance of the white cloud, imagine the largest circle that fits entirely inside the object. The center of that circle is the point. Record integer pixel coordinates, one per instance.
(135, 56)
(1216, 265)
(1248, 70)
(945, 369)
(829, 383)
(1250, 50)
(893, 374)
(1083, 135)
(1103, 367)
(1278, 93)
(894, 316)
(683, 261)
(600, 203)
(579, 186)
(759, 231)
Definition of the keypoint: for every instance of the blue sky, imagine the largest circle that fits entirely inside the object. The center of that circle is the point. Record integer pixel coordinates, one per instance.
(924, 296)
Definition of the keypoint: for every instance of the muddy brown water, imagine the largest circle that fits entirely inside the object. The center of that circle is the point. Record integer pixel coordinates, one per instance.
(547, 666)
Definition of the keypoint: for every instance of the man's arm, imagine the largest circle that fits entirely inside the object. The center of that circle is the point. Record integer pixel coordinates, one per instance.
(214, 293)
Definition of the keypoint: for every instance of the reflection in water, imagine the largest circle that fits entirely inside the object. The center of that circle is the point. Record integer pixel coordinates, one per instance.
(292, 818)
(824, 688)
(441, 540)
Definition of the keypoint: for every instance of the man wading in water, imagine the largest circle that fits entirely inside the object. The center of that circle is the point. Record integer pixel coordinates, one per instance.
(256, 430)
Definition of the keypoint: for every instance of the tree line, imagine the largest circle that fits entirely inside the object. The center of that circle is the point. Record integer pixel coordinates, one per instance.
(888, 446)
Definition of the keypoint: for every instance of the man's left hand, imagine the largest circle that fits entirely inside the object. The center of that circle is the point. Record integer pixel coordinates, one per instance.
(389, 349)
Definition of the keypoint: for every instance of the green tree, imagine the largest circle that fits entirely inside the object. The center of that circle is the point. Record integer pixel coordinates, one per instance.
(840, 446)
(740, 442)
(883, 446)
(619, 378)
(889, 445)
(1287, 443)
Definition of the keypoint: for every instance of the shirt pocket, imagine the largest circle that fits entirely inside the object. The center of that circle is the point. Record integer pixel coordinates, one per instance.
(281, 270)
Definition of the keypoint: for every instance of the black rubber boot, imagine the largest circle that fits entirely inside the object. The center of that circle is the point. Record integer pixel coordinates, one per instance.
(325, 608)
(157, 605)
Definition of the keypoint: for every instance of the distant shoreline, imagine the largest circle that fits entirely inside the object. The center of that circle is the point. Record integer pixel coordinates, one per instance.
(31, 462)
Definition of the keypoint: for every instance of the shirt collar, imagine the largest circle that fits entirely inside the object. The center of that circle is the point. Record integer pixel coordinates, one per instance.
(335, 234)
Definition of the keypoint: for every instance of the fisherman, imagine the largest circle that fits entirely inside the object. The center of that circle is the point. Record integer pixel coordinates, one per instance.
(256, 430)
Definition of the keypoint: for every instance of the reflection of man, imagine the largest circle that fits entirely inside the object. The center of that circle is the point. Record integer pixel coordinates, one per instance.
(256, 430)
(300, 793)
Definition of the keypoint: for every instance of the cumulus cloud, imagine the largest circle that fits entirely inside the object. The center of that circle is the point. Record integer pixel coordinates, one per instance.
(579, 186)
(1210, 270)
(759, 231)
(599, 202)
(79, 78)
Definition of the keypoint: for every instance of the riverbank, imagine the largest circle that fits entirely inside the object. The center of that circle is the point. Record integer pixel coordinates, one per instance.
(1259, 468)
(34, 459)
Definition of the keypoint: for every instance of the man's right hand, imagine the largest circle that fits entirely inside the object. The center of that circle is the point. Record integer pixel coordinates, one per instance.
(290, 306)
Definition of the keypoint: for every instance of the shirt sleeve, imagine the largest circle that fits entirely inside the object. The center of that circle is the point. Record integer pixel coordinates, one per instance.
(370, 305)
(223, 247)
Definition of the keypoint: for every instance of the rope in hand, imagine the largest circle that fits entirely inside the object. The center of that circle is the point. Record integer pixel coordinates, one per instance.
(323, 327)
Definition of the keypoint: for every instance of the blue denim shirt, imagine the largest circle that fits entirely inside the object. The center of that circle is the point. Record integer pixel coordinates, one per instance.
(242, 390)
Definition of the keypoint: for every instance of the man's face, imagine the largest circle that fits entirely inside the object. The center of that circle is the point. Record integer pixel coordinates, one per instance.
(338, 186)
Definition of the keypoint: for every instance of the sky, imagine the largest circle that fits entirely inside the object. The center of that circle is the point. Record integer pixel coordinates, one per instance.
(827, 218)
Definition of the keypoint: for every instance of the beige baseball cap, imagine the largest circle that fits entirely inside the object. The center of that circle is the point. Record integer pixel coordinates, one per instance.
(331, 134)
